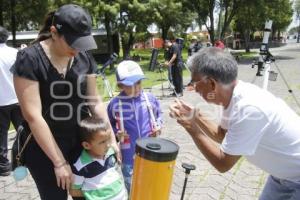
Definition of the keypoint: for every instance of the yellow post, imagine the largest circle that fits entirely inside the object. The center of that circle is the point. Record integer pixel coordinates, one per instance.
(153, 169)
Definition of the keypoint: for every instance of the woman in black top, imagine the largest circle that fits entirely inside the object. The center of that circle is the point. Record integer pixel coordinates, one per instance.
(55, 83)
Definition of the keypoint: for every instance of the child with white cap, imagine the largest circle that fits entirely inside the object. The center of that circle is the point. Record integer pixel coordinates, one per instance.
(133, 114)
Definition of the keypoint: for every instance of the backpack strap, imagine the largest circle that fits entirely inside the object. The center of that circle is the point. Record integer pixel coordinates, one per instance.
(154, 124)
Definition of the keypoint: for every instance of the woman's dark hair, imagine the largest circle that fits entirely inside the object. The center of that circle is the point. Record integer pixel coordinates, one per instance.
(90, 126)
(44, 32)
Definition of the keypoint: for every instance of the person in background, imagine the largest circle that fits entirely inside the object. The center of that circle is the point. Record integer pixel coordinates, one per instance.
(95, 171)
(194, 47)
(175, 64)
(133, 114)
(166, 57)
(9, 107)
(55, 82)
(255, 124)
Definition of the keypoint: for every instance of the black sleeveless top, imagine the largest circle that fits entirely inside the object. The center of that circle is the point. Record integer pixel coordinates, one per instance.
(63, 98)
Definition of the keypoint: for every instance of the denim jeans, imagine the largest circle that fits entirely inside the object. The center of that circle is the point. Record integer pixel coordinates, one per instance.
(280, 189)
(127, 171)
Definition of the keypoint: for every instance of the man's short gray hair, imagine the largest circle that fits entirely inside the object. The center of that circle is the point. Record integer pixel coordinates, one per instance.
(214, 63)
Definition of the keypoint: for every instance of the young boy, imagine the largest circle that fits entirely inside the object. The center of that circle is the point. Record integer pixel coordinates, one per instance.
(95, 174)
(133, 114)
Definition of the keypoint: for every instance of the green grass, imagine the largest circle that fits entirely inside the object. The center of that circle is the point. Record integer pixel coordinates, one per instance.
(245, 56)
(152, 76)
(248, 55)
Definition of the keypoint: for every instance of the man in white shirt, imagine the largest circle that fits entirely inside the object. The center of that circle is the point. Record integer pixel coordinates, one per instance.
(9, 108)
(255, 124)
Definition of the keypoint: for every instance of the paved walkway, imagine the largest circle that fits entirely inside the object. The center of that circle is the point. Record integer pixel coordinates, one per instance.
(243, 182)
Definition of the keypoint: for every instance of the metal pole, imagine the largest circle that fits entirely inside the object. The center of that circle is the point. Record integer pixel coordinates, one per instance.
(184, 186)
(298, 35)
(266, 75)
(188, 168)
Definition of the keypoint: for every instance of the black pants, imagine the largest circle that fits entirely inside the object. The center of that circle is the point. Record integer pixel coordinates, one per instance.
(177, 78)
(42, 170)
(9, 113)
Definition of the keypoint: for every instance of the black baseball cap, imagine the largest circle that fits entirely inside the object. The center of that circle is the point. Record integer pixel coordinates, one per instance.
(3, 34)
(75, 24)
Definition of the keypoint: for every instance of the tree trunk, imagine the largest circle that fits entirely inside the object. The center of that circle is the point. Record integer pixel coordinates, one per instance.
(125, 53)
(164, 33)
(298, 36)
(13, 22)
(126, 46)
(247, 41)
(219, 31)
(109, 37)
(1, 13)
(211, 29)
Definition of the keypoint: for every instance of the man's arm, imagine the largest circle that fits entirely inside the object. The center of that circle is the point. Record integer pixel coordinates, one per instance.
(211, 129)
(220, 160)
(202, 134)
(171, 61)
(203, 131)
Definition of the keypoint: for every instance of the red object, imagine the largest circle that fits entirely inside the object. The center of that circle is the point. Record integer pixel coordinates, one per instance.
(157, 43)
(219, 44)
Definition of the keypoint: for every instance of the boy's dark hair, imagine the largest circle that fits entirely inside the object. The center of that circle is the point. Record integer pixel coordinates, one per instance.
(90, 126)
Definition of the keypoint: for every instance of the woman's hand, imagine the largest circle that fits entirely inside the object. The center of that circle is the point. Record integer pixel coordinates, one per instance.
(64, 176)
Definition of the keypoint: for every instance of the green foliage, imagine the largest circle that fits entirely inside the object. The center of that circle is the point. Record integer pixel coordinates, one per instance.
(29, 13)
(168, 14)
(297, 8)
(281, 12)
(252, 17)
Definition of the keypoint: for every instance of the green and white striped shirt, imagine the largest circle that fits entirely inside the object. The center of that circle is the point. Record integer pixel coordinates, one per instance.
(99, 179)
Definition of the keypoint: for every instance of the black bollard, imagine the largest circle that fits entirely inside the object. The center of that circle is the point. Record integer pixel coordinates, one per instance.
(188, 168)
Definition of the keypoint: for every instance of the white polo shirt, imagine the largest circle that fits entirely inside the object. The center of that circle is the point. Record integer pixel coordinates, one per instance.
(264, 129)
(7, 91)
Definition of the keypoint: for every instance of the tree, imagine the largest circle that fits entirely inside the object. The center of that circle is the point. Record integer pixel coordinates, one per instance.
(205, 14)
(281, 12)
(1, 12)
(167, 14)
(132, 20)
(297, 10)
(245, 25)
(106, 12)
(110, 9)
(30, 14)
(230, 8)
